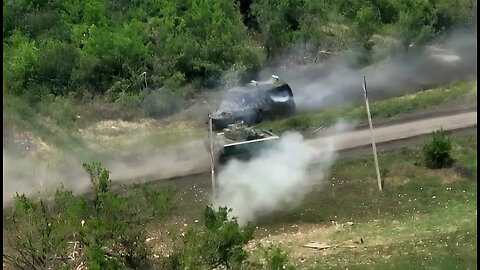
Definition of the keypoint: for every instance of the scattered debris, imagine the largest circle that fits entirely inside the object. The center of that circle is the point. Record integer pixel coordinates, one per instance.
(359, 242)
(316, 130)
(150, 239)
(349, 246)
(316, 245)
(323, 246)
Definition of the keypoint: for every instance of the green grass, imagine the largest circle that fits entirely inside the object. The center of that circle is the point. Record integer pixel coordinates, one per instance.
(385, 108)
(455, 250)
(425, 219)
(51, 120)
(409, 187)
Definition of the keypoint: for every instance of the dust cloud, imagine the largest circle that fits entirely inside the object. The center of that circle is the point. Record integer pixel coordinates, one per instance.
(33, 176)
(336, 83)
(277, 179)
(173, 161)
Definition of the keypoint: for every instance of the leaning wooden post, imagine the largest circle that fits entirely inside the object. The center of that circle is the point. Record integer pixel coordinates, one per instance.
(374, 147)
(212, 162)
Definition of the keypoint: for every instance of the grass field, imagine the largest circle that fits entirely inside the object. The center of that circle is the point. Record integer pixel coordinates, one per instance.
(424, 219)
(464, 89)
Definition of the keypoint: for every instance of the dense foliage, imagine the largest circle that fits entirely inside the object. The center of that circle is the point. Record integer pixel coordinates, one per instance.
(133, 52)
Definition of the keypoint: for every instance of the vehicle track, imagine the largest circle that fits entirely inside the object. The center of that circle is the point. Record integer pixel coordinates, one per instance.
(387, 138)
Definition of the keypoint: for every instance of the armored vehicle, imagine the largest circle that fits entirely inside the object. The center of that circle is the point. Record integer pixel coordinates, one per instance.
(242, 142)
(254, 103)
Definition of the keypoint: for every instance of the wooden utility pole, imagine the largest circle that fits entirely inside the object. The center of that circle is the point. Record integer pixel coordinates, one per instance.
(212, 162)
(374, 147)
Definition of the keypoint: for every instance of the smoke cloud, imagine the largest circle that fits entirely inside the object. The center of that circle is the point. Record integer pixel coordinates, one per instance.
(31, 175)
(337, 83)
(278, 178)
(174, 161)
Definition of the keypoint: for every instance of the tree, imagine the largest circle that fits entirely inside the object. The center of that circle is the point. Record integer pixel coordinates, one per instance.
(279, 23)
(414, 21)
(366, 24)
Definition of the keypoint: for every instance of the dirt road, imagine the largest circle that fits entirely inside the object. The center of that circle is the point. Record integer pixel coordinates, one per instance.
(355, 140)
(192, 159)
(400, 131)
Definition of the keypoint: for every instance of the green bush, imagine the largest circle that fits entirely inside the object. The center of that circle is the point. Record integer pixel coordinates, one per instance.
(437, 151)
(56, 61)
(218, 244)
(38, 237)
(277, 258)
(107, 228)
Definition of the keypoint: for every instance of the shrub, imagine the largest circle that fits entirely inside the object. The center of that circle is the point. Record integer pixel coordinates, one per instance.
(437, 151)
(38, 240)
(107, 229)
(277, 258)
(129, 106)
(219, 244)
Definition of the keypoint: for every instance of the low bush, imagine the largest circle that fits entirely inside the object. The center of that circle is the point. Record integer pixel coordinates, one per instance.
(277, 258)
(217, 244)
(437, 152)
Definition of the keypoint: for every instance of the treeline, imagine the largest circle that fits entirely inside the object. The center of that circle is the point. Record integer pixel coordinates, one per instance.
(125, 51)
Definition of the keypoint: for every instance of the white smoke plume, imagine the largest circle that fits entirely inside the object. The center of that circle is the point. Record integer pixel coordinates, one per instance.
(278, 178)
(337, 83)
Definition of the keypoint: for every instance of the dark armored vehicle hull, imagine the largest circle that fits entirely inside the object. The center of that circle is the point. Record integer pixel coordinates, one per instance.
(255, 103)
(238, 141)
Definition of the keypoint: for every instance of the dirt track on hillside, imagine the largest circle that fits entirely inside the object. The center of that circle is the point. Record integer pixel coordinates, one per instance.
(388, 137)
(187, 161)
